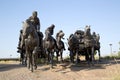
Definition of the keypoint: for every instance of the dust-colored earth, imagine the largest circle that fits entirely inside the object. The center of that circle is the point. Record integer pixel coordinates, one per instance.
(105, 70)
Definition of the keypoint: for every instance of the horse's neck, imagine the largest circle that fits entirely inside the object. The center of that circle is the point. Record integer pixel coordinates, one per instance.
(72, 39)
(33, 34)
(88, 34)
(58, 39)
(49, 43)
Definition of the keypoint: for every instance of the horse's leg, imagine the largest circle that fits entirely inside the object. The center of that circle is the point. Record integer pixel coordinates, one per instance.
(57, 55)
(71, 56)
(51, 59)
(28, 58)
(31, 61)
(77, 57)
(20, 58)
(99, 55)
(92, 54)
(61, 52)
(48, 57)
(87, 56)
(28, 61)
(25, 59)
(34, 57)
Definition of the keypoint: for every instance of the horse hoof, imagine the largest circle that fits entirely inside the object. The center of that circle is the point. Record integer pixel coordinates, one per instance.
(31, 69)
(51, 68)
(28, 67)
(35, 67)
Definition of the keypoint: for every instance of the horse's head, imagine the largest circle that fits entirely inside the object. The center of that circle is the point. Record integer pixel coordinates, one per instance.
(27, 28)
(87, 31)
(87, 28)
(29, 32)
(72, 39)
(61, 34)
(79, 34)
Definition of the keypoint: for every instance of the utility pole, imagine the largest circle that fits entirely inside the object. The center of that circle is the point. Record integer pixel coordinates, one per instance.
(110, 49)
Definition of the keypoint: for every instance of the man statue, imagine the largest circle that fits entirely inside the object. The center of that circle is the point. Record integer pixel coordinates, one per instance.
(97, 37)
(94, 36)
(60, 34)
(49, 32)
(20, 38)
(35, 20)
(36, 23)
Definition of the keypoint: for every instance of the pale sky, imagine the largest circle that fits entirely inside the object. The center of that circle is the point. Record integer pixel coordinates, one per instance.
(67, 15)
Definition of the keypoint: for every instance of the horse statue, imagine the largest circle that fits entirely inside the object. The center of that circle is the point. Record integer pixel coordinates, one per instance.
(96, 37)
(89, 44)
(31, 40)
(49, 44)
(80, 37)
(41, 51)
(60, 44)
(21, 50)
(77, 42)
(73, 47)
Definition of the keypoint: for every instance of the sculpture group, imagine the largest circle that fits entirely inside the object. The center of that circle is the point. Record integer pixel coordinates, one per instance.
(84, 43)
(32, 45)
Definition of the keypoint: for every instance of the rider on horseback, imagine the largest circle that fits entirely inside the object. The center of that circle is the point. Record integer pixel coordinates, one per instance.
(60, 34)
(57, 35)
(36, 23)
(35, 20)
(94, 36)
(49, 32)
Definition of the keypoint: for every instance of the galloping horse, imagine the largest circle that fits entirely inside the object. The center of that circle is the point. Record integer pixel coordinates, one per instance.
(60, 44)
(49, 44)
(31, 40)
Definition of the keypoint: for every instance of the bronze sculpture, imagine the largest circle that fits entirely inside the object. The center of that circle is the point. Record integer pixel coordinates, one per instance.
(49, 44)
(31, 40)
(60, 44)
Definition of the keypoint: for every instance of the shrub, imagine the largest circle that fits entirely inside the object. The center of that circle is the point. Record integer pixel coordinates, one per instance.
(119, 54)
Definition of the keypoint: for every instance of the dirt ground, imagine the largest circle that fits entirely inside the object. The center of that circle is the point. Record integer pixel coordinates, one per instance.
(105, 70)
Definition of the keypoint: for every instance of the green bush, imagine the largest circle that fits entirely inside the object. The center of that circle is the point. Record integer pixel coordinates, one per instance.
(108, 57)
(119, 54)
(67, 58)
(112, 57)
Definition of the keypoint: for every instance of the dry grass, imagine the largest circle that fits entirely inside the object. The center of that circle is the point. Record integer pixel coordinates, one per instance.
(9, 62)
(117, 77)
